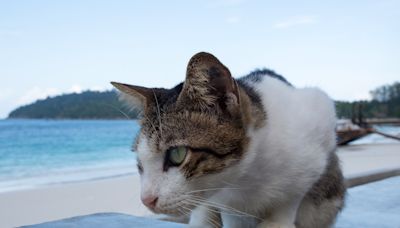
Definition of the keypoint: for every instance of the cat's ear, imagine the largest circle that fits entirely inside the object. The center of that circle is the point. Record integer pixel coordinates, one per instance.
(136, 97)
(209, 83)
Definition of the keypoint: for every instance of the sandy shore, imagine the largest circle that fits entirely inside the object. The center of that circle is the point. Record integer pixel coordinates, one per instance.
(122, 194)
(26, 207)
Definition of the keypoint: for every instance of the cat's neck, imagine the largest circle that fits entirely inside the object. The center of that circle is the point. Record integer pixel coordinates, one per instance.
(252, 112)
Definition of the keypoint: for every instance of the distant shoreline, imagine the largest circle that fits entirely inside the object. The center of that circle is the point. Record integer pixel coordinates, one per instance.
(106, 105)
(85, 105)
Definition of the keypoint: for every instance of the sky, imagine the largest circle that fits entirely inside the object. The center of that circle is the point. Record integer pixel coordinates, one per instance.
(346, 48)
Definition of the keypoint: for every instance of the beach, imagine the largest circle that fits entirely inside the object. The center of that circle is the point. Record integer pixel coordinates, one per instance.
(26, 207)
(122, 194)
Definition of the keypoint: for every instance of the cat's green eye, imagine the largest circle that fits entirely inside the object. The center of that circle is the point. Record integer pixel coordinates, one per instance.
(177, 155)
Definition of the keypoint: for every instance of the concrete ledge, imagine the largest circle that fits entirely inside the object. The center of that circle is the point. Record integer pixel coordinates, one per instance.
(107, 220)
(366, 178)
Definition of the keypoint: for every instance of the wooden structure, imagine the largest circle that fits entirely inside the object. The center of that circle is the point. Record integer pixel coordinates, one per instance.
(348, 131)
(346, 136)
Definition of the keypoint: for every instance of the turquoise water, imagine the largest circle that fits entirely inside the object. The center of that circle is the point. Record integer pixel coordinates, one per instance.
(43, 152)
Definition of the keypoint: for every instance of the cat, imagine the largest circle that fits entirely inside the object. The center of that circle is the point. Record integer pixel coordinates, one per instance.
(248, 152)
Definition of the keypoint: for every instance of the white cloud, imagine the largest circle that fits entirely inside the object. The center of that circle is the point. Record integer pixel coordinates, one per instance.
(10, 99)
(36, 93)
(98, 88)
(75, 89)
(79, 89)
(295, 21)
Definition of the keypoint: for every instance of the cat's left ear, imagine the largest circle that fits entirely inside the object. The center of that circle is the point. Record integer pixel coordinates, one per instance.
(209, 84)
(136, 97)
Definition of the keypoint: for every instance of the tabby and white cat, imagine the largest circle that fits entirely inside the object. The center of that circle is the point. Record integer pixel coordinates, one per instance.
(247, 152)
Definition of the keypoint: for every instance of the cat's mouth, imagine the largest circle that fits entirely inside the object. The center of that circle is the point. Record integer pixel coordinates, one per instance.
(177, 207)
(178, 204)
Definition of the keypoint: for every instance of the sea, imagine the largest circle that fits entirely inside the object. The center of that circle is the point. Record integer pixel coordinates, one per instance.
(37, 153)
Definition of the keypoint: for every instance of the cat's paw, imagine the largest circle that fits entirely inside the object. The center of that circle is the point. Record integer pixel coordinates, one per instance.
(201, 226)
(207, 222)
(274, 225)
(204, 225)
(202, 216)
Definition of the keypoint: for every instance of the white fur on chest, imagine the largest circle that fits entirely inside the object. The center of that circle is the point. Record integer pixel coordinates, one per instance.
(289, 153)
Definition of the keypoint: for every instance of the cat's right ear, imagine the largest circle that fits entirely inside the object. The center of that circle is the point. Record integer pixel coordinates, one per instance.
(136, 97)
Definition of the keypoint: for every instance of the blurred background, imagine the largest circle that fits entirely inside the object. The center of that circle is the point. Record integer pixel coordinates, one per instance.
(63, 132)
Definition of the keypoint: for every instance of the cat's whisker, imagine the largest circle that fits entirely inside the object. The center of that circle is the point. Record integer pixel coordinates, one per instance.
(213, 221)
(154, 128)
(119, 110)
(222, 207)
(229, 183)
(210, 220)
(217, 220)
(188, 210)
(184, 211)
(209, 206)
(216, 212)
(213, 189)
(219, 210)
(181, 211)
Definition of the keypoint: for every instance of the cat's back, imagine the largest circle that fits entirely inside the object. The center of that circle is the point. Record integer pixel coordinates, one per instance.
(257, 76)
(286, 105)
(294, 115)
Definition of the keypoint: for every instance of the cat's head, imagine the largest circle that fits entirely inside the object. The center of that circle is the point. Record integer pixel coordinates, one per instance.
(192, 136)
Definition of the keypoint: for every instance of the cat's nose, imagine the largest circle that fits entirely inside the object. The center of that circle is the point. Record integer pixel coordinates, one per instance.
(150, 201)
